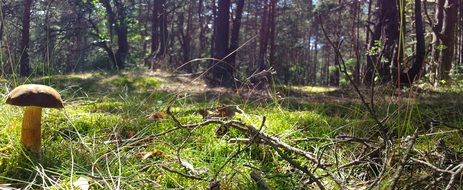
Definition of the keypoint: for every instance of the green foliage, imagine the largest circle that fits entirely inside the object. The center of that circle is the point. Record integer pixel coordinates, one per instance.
(376, 48)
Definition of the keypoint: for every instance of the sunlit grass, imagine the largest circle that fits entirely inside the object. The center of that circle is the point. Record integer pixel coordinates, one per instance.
(316, 89)
(310, 89)
(87, 138)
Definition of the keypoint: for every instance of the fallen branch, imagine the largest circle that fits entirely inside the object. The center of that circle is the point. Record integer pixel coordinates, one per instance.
(182, 174)
(261, 185)
(404, 160)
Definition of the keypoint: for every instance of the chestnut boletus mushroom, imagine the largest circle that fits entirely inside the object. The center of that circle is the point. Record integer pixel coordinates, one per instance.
(34, 97)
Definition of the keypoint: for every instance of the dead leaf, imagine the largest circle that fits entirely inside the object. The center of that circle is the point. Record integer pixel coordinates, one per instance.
(131, 133)
(147, 155)
(151, 154)
(224, 111)
(156, 116)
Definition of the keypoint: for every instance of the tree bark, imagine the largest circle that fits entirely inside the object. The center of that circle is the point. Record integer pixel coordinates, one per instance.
(214, 18)
(235, 34)
(111, 17)
(164, 34)
(272, 27)
(436, 41)
(370, 68)
(159, 33)
(121, 31)
(1, 26)
(202, 28)
(263, 37)
(315, 57)
(460, 59)
(356, 41)
(221, 73)
(184, 30)
(155, 26)
(24, 67)
(447, 36)
(386, 25)
(413, 73)
(392, 53)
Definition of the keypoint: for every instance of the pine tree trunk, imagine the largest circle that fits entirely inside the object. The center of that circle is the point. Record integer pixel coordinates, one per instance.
(235, 34)
(447, 35)
(221, 73)
(122, 36)
(413, 73)
(24, 67)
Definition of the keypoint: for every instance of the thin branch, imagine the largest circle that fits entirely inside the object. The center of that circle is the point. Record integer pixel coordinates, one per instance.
(404, 160)
(362, 98)
(182, 174)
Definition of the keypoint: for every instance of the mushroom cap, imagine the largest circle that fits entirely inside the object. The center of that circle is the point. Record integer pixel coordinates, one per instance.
(35, 95)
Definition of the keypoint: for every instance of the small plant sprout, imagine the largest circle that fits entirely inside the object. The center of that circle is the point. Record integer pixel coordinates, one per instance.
(34, 97)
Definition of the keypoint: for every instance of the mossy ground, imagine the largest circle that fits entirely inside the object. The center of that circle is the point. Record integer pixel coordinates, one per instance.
(87, 138)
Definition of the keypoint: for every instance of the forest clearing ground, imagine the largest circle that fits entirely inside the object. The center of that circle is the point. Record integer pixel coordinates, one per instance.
(196, 86)
(106, 130)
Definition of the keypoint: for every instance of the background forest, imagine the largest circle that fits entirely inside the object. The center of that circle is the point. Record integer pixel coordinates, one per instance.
(235, 94)
(377, 40)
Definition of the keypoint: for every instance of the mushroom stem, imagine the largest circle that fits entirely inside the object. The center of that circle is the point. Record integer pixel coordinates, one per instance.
(31, 130)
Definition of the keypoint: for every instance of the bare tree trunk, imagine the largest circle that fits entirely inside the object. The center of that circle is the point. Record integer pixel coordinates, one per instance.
(121, 31)
(159, 33)
(164, 34)
(460, 58)
(436, 41)
(185, 37)
(272, 27)
(214, 30)
(335, 75)
(386, 24)
(2, 63)
(263, 37)
(308, 69)
(155, 27)
(447, 36)
(111, 23)
(49, 43)
(391, 37)
(222, 73)
(413, 73)
(111, 17)
(325, 64)
(235, 34)
(202, 28)
(117, 23)
(356, 41)
(24, 67)
(1, 26)
(315, 58)
(370, 68)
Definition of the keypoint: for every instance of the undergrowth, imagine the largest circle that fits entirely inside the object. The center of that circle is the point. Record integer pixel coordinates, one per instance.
(88, 138)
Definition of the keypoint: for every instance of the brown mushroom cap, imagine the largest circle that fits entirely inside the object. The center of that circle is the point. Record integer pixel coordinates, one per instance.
(35, 95)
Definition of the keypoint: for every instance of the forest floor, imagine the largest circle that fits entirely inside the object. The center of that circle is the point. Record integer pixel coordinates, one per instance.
(115, 132)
